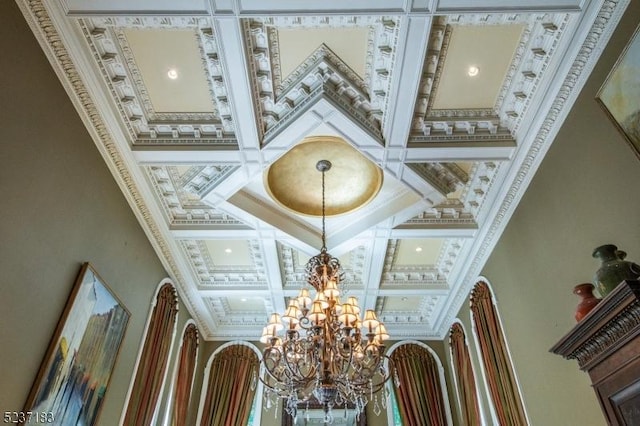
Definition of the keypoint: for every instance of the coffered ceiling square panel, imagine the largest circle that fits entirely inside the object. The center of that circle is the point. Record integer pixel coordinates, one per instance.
(179, 190)
(237, 314)
(256, 80)
(405, 315)
(417, 252)
(295, 45)
(293, 263)
(170, 64)
(166, 78)
(229, 265)
(476, 63)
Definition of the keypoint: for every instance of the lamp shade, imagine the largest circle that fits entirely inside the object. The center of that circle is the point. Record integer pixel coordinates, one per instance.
(268, 333)
(304, 300)
(317, 313)
(331, 289)
(352, 300)
(320, 297)
(348, 316)
(370, 320)
(292, 314)
(274, 321)
(381, 333)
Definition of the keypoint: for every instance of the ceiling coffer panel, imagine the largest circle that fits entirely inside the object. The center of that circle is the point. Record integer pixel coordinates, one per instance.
(291, 61)
(137, 56)
(189, 128)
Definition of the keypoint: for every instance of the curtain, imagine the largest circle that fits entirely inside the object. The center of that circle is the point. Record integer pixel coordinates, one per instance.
(153, 360)
(493, 350)
(419, 395)
(463, 371)
(184, 379)
(231, 387)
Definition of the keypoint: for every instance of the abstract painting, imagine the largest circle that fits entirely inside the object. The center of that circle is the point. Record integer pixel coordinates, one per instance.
(620, 93)
(74, 375)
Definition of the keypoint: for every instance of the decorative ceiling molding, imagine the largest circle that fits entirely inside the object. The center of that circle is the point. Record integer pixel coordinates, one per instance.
(122, 75)
(180, 198)
(599, 31)
(276, 95)
(438, 175)
(184, 181)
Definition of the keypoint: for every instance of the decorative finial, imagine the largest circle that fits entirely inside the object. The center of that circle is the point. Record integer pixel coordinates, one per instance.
(323, 165)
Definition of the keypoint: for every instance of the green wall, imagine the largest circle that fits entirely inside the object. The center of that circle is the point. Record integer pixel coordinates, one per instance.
(584, 194)
(60, 207)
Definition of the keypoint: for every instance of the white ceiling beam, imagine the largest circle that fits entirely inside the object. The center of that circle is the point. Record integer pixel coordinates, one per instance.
(236, 291)
(406, 77)
(261, 212)
(185, 156)
(443, 232)
(452, 152)
(350, 230)
(506, 6)
(309, 7)
(272, 268)
(373, 267)
(433, 290)
(79, 8)
(233, 61)
(137, 7)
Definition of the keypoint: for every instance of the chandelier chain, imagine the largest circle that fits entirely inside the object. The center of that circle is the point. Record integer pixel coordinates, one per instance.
(324, 238)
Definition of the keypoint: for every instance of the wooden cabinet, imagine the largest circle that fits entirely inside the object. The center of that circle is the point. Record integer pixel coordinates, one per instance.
(606, 344)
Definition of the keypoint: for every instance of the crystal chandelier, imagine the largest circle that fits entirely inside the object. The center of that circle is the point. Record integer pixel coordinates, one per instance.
(321, 351)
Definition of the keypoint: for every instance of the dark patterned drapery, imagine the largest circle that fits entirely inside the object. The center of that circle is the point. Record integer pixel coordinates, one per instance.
(493, 350)
(463, 371)
(231, 387)
(184, 377)
(419, 395)
(154, 359)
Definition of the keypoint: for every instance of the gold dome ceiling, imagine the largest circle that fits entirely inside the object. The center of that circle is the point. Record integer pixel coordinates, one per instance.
(294, 183)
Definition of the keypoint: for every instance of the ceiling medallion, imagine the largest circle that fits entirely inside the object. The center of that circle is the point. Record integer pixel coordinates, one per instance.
(328, 352)
(353, 182)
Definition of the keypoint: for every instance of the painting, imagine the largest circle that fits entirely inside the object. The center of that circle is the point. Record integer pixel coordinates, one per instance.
(73, 378)
(620, 93)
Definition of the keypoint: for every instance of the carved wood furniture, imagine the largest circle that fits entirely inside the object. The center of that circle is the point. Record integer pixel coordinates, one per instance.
(606, 344)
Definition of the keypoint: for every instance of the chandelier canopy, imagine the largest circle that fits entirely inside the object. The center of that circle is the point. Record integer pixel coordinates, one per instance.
(321, 350)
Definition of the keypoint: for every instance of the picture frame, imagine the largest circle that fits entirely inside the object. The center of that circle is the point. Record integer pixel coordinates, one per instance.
(75, 372)
(619, 95)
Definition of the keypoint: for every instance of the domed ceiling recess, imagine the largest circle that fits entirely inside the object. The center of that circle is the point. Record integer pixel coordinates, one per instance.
(435, 114)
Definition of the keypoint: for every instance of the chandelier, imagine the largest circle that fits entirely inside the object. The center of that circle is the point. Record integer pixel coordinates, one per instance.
(321, 351)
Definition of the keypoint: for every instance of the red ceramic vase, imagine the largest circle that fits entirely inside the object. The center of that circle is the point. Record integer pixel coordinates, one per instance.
(588, 301)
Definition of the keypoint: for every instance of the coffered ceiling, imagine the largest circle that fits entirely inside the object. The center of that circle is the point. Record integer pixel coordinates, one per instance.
(192, 102)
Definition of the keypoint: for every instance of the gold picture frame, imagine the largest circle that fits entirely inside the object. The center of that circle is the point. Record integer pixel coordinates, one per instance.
(74, 376)
(619, 95)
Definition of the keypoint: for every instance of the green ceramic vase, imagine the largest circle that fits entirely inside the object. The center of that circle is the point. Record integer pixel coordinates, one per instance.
(613, 269)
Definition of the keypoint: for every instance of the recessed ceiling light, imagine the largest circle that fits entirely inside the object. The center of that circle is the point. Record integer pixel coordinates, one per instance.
(418, 249)
(473, 71)
(228, 250)
(244, 299)
(172, 73)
